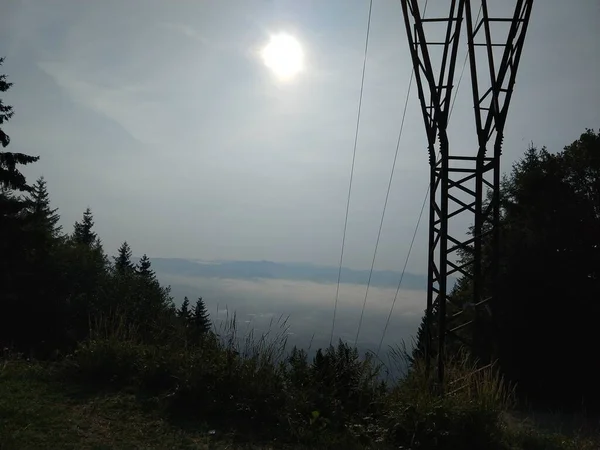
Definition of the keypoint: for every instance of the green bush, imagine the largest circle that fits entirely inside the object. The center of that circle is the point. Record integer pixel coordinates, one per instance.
(250, 385)
(337, 390)
(211, 377)
(467, 416)
(107, 362)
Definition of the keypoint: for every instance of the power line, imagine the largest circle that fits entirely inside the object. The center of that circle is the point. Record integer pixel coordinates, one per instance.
(387, 194)
(387, 322)
(426, 195)
(362, 85)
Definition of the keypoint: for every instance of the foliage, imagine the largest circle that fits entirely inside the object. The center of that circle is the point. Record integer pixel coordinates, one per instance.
(83, 233)
(41, 216)
(38, 409)
(549, 277)
(250, 392)
(16, 271)
(200, 318)
(10, 177)
(144, 269)
(467, 416)
(184, 310)
(123, 265)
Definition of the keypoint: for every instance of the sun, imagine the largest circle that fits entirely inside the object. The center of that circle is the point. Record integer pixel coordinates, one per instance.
(284, 56)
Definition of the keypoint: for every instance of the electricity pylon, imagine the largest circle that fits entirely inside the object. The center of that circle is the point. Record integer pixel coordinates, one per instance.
(464, 184)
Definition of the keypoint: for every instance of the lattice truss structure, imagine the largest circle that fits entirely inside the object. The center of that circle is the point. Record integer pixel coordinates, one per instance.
(464, 184)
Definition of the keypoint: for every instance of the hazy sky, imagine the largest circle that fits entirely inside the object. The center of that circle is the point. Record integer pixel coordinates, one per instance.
(162, 117)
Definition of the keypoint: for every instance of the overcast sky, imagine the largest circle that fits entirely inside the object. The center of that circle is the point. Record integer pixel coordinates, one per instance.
(162, 117)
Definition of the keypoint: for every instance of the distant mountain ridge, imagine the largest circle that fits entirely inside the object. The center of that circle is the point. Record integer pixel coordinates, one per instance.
(286, 271)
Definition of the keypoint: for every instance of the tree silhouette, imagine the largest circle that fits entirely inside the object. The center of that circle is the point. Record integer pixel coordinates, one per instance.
(184, 310)
(123, 264)
(144, 270)
(200, 317)
(420, 346)
(53, 287)
(549, 280)
(10, 177)
(15, 243)
(86, 274)
(549, 283)
(83, 233)
(41, 215)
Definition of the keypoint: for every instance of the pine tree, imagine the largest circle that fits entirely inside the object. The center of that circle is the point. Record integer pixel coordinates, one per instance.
(549, 255)
(13, 241)
(82, 233)
(46, 293)
(42, 216)
(123, 264)
(6, 111)
(144, 270)
(184, 310)
(19, 319)
(200, 317)
(153, 301)
(420, 340)
(87, 276)
(10, 177)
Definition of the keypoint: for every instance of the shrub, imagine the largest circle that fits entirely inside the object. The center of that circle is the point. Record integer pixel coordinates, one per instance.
(467, 416)
(248, 384)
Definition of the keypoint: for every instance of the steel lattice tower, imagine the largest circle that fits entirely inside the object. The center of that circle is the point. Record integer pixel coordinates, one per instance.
(464, 184)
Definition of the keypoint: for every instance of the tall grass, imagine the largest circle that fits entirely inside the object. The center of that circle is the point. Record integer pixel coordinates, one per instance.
(270, 347)
(467, 415)
(250, 383)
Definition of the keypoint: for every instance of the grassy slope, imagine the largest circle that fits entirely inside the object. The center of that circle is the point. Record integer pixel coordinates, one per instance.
(39, 412)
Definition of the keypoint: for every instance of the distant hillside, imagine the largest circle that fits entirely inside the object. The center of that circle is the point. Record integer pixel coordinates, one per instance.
(286, 271)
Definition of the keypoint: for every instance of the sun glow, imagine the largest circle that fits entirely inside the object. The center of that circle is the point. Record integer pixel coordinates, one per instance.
(284, 56)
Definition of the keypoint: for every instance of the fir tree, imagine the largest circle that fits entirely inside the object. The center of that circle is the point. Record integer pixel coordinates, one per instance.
(420, 341)
(549, 255)
(87, 276)
(13, 242)
(200, 317)
(123, 264)
(42, 216)
(19, 319)
(83, 233)
(6, 111)
(184, 310)
(10, 177)
(144, 270)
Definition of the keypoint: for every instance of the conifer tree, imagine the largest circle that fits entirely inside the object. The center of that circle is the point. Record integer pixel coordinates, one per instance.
(123, 264)
(549, 255)
(82, 233)
(15, 242)
(200, 317)
(86, 274)
(184, 310)
(12, 181)
(420, 341)
(45, 267)
(42, 217)
(144, 269)
(149, 288)
(10, 177)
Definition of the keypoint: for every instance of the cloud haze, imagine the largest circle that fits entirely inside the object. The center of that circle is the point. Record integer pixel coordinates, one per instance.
(258, 303)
